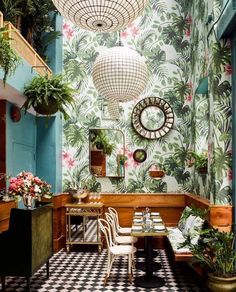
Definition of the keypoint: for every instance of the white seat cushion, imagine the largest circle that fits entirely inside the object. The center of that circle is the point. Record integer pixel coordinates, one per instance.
(122, 249)
(185, 214)
(126, 239)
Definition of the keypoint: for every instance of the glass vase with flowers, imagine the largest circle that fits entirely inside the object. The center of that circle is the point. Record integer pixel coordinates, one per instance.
(29, 187)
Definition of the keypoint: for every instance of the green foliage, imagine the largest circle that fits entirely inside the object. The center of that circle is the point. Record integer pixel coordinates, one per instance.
(215, 249)
(99, 138)
(199, 160)
(34, 19)
(9, 60)
(42, 90)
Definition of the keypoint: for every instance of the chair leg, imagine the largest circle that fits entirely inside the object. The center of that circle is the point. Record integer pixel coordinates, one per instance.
(47, 264)
(3, 283)
(130, 268)
(28, 284)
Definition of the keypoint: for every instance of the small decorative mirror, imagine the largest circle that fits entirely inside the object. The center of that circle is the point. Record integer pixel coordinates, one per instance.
(140, 155)
(152, 117)
(107, 157)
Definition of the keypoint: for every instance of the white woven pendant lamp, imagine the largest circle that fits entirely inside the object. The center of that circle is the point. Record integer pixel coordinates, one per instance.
(100, 15)
(119, 74)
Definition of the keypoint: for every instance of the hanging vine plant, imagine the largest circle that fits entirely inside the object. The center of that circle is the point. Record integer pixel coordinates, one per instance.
(9, 60)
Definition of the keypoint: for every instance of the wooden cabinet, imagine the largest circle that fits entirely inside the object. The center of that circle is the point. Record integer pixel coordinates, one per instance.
(5, 209)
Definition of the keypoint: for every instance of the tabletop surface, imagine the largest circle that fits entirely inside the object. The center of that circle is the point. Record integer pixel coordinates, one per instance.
(156, 229)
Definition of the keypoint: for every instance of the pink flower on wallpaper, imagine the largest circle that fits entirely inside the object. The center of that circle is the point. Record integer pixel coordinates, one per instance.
(189, 19)
(134, 31)
(131, 25)
(189, 97)
(228, 69)
(124, 34)
(187, 33)
(65, 155)
(229, 174)
(69, 33)
(70, 162)
(65, 26)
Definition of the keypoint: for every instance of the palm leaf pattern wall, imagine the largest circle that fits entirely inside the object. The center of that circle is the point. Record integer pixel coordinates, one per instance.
(172, 36)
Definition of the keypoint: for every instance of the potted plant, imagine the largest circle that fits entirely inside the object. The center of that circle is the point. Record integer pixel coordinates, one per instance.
(9, 59)
(99, 139)
(199, 160)
(48, 95)
(215, 250)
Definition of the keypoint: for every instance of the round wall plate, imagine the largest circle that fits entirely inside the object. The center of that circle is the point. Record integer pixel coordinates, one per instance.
(140, 155)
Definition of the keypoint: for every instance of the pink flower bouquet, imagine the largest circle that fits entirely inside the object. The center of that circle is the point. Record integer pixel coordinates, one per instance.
(25, 183)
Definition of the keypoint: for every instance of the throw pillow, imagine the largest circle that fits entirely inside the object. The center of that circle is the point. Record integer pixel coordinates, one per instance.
(186, 213)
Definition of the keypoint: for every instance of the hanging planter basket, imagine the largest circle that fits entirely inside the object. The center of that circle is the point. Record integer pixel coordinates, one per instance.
(47, 109)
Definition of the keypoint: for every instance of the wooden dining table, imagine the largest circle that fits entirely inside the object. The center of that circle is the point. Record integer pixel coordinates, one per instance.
(154, 227)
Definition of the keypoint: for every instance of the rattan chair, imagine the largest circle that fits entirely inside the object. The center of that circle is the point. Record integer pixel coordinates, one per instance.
(114, 250)
(120, 230)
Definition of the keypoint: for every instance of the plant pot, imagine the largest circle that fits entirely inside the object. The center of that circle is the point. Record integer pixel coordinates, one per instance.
(219, 284)
(47, 109)
(156, 173)
(202, 170)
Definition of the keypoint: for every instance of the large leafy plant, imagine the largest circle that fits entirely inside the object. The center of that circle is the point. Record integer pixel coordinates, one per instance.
(9, 60)
(199, 160)
(215, 250)
(34, 19)
(48, 95)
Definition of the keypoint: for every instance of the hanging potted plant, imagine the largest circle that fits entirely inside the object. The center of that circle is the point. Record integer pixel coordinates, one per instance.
(47, 95)
(215, 250)
(199, 160)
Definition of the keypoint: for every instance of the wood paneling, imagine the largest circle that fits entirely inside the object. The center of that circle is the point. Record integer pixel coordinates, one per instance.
(5, 209)
(169, 205)
(59, 220)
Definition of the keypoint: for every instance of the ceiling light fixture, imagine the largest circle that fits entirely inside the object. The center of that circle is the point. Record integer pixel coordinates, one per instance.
(119, 74)
(100, 15)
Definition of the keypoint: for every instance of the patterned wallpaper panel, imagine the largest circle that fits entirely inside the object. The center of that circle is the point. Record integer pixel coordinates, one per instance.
(171, 36)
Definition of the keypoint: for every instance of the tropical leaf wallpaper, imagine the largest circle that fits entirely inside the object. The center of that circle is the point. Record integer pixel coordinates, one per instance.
(173, 38)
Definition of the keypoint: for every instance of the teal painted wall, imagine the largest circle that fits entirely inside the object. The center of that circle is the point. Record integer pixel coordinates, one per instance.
(32, 146)
(21, 143)
(48, 162)
(49, 131)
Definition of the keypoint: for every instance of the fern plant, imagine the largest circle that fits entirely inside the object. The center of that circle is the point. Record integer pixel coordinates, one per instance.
(47, 95)
(9, 60)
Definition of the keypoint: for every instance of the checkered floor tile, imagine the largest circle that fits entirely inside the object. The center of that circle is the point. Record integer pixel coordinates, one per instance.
(80, 271)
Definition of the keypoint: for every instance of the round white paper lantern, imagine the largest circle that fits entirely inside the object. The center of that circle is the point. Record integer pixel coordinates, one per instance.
(120, 74)
(100, 15)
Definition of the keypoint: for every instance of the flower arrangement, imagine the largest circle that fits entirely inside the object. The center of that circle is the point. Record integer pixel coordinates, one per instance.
(26, 184)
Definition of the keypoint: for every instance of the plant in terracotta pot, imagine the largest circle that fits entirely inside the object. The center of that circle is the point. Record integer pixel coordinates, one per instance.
(47, 95)
(215, 250)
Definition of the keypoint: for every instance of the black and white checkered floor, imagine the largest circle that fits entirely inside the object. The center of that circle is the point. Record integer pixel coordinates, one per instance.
(84, 272)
